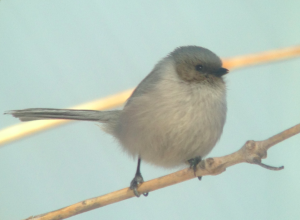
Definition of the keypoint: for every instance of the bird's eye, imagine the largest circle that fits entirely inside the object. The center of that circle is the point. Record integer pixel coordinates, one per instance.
(199, 67)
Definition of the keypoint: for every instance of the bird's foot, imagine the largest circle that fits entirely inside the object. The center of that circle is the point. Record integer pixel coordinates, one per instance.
(138, 179)
(193, 165)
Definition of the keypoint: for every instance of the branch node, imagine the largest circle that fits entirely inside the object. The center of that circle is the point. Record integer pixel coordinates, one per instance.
(250, 145)
(210, 161)
(212, 166)
(254, 151)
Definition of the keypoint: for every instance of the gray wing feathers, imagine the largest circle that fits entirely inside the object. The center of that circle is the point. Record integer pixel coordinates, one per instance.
(71, 114)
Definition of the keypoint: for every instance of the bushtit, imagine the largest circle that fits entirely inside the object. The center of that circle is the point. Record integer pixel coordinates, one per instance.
(175, 115)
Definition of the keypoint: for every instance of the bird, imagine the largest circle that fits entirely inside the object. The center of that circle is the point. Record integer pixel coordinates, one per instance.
(175, 116)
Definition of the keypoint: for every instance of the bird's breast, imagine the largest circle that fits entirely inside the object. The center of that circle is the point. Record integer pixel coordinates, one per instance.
(173, 123)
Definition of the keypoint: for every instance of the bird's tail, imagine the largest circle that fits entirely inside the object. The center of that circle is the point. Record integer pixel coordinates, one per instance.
(31, 114)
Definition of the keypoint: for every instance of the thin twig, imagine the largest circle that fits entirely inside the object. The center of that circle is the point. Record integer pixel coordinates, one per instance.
(252, 152)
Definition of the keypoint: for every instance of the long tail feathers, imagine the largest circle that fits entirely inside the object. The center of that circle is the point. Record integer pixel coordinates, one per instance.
(31, 114)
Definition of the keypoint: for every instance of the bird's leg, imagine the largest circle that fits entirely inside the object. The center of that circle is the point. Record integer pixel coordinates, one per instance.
(138, 179)
(193, 165)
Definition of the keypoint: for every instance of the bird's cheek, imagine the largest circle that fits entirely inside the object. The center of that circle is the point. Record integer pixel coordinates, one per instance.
(185, 74)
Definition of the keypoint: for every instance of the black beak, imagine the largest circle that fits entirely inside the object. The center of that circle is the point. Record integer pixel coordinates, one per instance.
(222, 71)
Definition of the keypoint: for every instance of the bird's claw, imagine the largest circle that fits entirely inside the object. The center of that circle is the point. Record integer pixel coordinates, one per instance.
(138, 179)
(193, 165)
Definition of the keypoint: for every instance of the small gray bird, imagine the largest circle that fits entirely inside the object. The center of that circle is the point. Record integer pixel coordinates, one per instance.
(175, 115)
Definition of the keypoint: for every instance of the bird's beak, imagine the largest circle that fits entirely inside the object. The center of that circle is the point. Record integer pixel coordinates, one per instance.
(222, 71)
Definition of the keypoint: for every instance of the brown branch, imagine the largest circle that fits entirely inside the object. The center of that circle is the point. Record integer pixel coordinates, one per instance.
(260, 58)
(252, 152)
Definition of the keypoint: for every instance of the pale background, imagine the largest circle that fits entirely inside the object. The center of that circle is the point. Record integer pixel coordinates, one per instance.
(62, 53)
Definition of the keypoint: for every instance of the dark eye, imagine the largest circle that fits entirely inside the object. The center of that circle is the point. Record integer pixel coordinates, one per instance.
(199, 67)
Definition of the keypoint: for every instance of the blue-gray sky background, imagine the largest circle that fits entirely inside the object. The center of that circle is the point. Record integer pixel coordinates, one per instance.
(59, 54)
